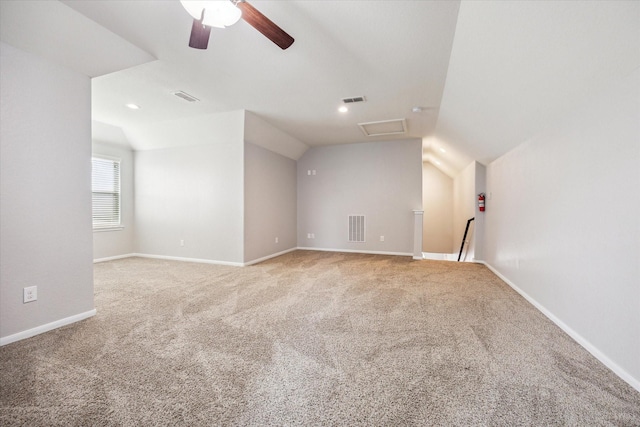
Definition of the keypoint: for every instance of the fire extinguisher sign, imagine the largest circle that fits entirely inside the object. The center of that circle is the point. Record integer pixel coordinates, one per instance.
(481, 202)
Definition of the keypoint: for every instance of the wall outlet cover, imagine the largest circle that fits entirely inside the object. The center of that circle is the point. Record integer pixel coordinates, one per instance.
(30, 294)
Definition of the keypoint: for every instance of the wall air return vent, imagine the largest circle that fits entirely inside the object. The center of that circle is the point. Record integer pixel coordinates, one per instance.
(354, 99)
(185, 96)
(385, 127)
(356, 228)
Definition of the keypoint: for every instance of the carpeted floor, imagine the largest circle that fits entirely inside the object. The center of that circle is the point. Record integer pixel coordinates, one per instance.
(309, 338)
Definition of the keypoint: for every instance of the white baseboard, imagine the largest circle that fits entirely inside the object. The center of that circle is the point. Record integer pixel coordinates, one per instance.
(112, 258)
(196, 260)
(357, 251)
(256, 261)
(46, 328)
(439, 256)
(633, 382)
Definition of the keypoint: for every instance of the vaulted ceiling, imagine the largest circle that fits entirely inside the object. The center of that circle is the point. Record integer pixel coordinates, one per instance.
(486, 75)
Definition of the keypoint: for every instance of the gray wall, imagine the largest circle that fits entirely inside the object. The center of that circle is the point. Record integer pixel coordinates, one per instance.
(382, 180)
(269, 203)
(193, 194)
(45, 192)
(562, 223)
(113, 243)
(466, 186)
(437, 202)
(479, 227)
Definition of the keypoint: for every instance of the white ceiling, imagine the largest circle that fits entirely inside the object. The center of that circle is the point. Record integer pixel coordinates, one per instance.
(489, 75)
(518, 67)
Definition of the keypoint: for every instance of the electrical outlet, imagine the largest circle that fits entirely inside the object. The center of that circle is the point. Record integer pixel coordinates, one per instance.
(313, 172)
(382, 238)
(30, 294)
(308, 235)
(313, 236)
(181, 242)
(276, 240)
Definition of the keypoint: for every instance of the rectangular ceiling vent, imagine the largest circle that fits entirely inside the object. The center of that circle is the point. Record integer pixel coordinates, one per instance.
(354, 99)
(185, 96)
(385, 127)
(356, 228)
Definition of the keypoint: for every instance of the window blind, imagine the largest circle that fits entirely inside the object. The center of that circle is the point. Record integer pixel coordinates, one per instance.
(105, 188)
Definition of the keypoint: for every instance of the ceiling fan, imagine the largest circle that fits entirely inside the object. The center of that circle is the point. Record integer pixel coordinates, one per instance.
(223, 13)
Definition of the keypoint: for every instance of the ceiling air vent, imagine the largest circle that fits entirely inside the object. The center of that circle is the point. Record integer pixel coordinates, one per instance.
(385, 127)
(354, 99)
(185, 96)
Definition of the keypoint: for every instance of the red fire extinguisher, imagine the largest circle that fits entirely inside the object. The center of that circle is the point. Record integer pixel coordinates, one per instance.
(481, 202)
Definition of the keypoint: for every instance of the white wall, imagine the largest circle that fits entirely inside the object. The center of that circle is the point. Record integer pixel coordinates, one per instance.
(193, 194)
(437, 202)
(113, 243)
(562, 223)
(382, 180)
(270, 209)
(259, 132)
(479, 222)
(464, 202)
(45, 197)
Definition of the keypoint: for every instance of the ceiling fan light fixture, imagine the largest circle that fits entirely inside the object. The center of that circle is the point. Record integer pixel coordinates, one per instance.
(217, 13)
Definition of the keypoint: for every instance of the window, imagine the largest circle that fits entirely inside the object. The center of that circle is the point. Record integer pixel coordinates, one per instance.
(105, 188)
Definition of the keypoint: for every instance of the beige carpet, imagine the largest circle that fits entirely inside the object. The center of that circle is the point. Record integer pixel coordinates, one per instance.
(309, 338)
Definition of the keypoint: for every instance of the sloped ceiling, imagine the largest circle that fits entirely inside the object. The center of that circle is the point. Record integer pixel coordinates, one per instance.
(395, 53)
(62, 35)
(518, 67)
(488, 75)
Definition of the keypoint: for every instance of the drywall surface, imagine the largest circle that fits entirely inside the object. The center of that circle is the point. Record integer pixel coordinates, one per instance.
(45, 197)
(381, 180)
(189, 201)
(562, 222)
(518, 66)
(481, 187)
(437, 202)
(117, 242)
(261, 133)
(464, 202)
(270, 210)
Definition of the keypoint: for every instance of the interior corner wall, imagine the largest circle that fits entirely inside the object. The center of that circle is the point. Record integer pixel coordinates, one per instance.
(480, 187)
(437, 202)
(114, 243)
(562, 224)
(189, 202)
(464, 208)
(381, 180)
(270, 209)
(45, 192)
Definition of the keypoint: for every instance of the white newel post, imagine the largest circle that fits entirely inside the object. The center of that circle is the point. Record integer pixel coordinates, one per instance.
(417, 234)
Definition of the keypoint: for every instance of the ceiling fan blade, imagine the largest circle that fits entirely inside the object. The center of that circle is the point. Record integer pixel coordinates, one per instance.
(263, 24)
(199, 35)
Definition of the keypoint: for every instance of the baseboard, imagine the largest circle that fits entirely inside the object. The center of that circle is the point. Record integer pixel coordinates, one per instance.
(357, 251)
(619, 371)
(264, 258)
(113, 258)
(196, 260)
(46, 328)
(437, 256)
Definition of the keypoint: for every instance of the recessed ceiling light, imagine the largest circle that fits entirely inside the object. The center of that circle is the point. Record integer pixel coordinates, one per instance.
(443, 150)
(343, 109)
(133, 106)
